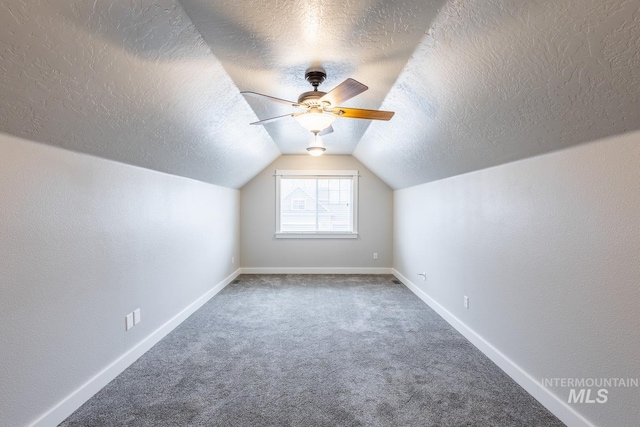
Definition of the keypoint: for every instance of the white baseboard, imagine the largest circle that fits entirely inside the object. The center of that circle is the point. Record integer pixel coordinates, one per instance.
(315, 270)
(69, 404)
(554, 404)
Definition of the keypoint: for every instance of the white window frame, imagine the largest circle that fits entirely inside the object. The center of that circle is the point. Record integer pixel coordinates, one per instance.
(319, 174)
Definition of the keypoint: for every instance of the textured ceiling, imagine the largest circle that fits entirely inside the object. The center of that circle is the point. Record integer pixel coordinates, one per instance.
(128, 81)
(267, 46)
(474, 83)
(497, 81)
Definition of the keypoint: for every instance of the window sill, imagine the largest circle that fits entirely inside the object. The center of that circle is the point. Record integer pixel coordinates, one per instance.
(316, 235)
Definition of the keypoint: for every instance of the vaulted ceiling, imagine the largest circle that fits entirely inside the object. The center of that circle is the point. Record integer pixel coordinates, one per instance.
(474, 83)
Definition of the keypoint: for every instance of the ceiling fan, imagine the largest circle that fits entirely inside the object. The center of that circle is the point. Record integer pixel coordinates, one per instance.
(322, 108)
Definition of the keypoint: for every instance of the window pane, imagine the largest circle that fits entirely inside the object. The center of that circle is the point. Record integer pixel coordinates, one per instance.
(315, 204)
(298, 204)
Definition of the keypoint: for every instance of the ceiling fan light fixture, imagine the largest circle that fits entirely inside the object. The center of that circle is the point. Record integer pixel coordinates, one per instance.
(315, 120)
(316, 151)
(316, 148)
(322, 108)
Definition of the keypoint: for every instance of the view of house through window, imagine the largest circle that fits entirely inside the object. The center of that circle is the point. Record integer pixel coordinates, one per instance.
(316, 203)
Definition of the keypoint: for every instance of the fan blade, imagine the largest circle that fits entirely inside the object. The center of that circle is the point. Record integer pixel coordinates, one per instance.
(344, 91)
(357, 113)
(271, 98)
(272, 119)
(326, 131)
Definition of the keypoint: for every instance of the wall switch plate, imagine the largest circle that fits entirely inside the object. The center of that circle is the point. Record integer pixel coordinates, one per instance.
(375, 255)
(136, 317)
(466, 301)
(128, 322)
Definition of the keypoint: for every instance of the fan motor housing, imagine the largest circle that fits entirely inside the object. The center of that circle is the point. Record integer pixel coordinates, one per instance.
(311, 98)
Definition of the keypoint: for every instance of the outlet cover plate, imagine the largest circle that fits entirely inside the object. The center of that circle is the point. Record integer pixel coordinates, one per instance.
(128, 321)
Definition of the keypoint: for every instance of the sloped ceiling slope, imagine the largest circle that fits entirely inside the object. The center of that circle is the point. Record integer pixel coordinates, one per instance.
(474, 83)
(128, 81)
(497, 81)
(266, 47)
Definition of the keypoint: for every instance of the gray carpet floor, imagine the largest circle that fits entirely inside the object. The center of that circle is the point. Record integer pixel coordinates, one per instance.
(313, 350)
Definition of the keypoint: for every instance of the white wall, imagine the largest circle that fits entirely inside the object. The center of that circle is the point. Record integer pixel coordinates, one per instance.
(83, 242)
(262, 252)
(548, 250)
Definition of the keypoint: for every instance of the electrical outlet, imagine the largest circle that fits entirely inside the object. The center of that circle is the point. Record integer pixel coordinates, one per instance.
(136, 317)
(128, 321)
(466, 301)
(375, 255)
(233, 260)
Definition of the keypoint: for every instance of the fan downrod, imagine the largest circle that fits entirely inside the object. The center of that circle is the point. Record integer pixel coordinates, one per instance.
(315, 77)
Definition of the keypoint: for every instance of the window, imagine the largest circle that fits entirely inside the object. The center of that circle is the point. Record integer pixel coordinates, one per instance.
(298, 204)
(316, 204)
